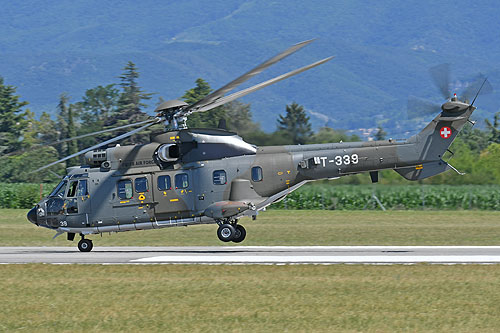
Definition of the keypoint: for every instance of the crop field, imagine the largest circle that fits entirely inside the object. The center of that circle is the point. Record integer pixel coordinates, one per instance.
(329, 195)
(292, 227)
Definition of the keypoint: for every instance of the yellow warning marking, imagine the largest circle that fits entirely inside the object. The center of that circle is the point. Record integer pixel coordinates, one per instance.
(172, 138)
(288, 171)
(177, 137)
(140, 207)
(142, 197)
(126, 201)
(171, 200)
(280, 173)
(164, 192)
(419, 167)
(287, 181)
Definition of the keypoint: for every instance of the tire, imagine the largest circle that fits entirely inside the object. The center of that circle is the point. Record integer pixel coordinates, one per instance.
(85, 245)
(226, 232)
(240, 234)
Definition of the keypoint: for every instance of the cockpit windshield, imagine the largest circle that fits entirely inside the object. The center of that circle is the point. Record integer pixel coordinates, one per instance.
(58, 191)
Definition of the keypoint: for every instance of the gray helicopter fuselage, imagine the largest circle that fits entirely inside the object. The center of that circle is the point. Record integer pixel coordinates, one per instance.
(201, 176)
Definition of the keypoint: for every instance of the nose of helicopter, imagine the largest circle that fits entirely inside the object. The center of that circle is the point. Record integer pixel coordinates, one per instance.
(32, 215)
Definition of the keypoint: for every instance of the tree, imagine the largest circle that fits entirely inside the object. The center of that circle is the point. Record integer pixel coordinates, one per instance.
(66, 127)
(203, 119)
(380, 135)
(494, 128)
(329, 135)
(295, 124)
(12, 120)
(239, 119)
(130, 101)
(130, 105)
(97, 106)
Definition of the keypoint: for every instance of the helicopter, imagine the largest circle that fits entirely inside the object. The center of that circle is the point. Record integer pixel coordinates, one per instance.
(189, 176)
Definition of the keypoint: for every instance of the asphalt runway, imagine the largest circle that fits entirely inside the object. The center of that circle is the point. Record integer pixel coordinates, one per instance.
(255, 255)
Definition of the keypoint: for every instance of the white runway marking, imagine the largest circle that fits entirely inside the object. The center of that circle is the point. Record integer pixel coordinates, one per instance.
(255, 255)
(264, 259)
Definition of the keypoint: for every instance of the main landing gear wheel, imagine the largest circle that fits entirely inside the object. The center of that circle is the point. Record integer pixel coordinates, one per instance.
(85, 245)
(226, 232)
(240, 234)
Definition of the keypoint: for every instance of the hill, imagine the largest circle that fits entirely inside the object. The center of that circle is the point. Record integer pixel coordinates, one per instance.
(382, 49)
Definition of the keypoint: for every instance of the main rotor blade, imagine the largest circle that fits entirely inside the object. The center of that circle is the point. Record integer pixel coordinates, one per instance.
(418, 108)
(441, 77)
(247, 91)
(100, 132)
(118, 138)
(479, 86)
(20, 151)
(236, 82)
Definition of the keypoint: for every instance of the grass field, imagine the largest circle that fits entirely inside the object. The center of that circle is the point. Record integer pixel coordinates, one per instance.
(278, 227)
(256, 298)
(261, 298)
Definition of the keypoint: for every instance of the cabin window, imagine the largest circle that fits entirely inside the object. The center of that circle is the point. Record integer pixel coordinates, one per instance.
(72, 189)
(257, 174)
(141, 185)
(164, 183)
(181, 180)
(82, 188)
(125, 189)
(220, 177)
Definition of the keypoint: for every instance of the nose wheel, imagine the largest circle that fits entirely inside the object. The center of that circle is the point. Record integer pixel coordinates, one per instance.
(85, 245)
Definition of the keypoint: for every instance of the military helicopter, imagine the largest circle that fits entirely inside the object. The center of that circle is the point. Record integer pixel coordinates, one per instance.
(189, 176)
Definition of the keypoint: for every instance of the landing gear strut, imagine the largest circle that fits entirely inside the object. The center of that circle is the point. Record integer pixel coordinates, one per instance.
(228, 232)
(85, 245)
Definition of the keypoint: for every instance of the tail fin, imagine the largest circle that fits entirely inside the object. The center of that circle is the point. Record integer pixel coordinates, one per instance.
(432, 142)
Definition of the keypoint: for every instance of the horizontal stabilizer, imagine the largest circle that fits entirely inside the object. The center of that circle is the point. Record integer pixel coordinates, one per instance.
(424, 170)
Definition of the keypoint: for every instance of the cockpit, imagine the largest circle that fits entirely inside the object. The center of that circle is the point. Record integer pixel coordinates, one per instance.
(62, 201)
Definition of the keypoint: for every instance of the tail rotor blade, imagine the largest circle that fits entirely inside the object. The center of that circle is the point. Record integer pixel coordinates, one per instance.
(418, 108)
(441, 76)
(479, 86)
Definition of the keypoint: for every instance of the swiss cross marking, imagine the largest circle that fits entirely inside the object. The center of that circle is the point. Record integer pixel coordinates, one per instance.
(445, 132)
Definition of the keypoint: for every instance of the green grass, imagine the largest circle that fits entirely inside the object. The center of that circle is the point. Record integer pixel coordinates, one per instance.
(300, 227)
(255, 298)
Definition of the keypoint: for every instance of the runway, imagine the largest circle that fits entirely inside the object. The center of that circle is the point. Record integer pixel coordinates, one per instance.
(255, 255)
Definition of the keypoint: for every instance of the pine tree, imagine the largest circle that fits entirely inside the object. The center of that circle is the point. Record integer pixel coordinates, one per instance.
(129, 106)
(130, 101)
(295, 124)
(67, 129)
(494, 128)
(12, 119)
(202, 119)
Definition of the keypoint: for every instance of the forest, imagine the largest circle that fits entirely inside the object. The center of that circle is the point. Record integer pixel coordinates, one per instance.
(28, 142)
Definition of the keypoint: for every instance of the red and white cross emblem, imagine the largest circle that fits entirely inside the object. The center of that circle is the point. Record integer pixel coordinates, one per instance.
(445, 132)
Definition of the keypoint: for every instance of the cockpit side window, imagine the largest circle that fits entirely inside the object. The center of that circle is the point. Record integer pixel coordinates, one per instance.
(82, 188)
(58, 191)
(72, 189)
(125, 189)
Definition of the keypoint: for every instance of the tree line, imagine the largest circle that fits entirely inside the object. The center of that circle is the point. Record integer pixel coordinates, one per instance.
(25, 140)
